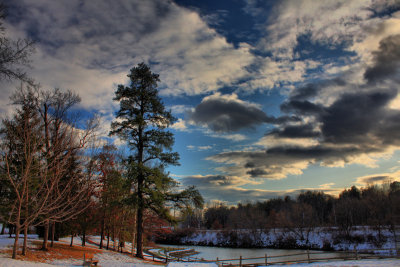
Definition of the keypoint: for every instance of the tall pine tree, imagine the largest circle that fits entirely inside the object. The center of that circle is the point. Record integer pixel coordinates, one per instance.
(142, 121)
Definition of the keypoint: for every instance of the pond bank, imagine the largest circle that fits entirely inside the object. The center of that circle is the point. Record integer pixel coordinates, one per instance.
(328, 239)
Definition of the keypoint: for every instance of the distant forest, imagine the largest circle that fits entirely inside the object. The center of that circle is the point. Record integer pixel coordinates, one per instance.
(374, 205)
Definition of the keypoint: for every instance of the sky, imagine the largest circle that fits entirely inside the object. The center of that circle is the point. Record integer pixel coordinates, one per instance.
(271, 97)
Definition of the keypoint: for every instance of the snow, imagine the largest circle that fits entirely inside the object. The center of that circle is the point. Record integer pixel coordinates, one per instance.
(7, 262)
(364, 263)
(115, 259)
(106, 258)
(191, 264)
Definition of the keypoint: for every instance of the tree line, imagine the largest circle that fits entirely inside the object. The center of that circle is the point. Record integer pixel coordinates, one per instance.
(377, 206)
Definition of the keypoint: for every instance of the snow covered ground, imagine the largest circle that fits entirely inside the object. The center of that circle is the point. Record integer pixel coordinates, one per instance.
(106, 258)
(115, 259)
(366, 263)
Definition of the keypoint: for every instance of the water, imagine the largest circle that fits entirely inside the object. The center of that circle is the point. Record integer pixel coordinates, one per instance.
(212, 253)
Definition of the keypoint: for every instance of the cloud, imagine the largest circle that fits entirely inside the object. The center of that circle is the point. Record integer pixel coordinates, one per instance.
(387, 61)
(266, 73)
(199, 148)
(217, 180)
(272, 140)
(179, 109)
(374, 33)
(295, 132)
(354, 124)
(232, 137)
(332, 23)
(102, 40)
(378, 178)
(345, 113)
(180, 125)
(227, 113)
(204, 147)
(259, 164)
(228, 189)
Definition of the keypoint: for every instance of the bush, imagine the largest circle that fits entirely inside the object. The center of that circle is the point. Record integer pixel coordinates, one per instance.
(175, 237)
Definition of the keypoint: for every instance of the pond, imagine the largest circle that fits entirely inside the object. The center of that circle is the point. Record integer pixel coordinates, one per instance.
(212, 253)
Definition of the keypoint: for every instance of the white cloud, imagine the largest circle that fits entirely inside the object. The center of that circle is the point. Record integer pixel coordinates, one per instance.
(273, 73)
(232, 137)
(199, 148)
(326, 186)
(327, 22)
(270, 141)
(91, 45)
(179, 109)
(180, 125)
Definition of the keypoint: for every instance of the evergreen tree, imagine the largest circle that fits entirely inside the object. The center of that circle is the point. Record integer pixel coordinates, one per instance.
(142, 121)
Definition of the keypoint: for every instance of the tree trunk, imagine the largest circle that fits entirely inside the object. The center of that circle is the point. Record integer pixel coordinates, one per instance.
(17, 229)
(3, 228)
(139, 221)
(10, 230)
(133, 242)
(84, 238)
(46, 235)
(108, 239)
(24, 248)
(102, 233)
(53, 231)
(72, 239)
(113, 235)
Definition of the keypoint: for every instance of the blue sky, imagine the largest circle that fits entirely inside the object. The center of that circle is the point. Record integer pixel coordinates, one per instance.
(272, 97)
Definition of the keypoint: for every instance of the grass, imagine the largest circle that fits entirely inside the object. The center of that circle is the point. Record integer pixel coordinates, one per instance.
(60, 251)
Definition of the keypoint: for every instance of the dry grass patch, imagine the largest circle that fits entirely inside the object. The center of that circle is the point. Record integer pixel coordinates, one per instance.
(58, 252)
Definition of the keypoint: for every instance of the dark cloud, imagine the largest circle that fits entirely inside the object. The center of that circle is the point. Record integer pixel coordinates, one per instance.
(257, 173)
(303, 107)
(295, 131)
(216, 180)
(369, 109)
(261, 164)
(222, 113)
(305, 92)
(313, 89)
(387, 61)
(357, 121)
(356, 118)
(373, 179)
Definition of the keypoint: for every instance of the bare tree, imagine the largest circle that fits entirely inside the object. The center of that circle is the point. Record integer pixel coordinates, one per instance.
(14, 54)
(62, 144)
(42, 154)
(21, 156)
